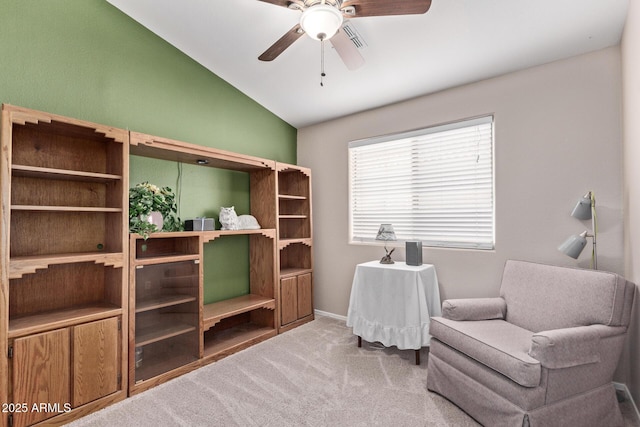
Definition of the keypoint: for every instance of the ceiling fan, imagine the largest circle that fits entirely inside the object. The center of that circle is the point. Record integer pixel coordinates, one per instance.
(323, 20)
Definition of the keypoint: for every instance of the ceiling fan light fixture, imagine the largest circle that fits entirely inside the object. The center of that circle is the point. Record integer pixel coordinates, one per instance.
(321, 21)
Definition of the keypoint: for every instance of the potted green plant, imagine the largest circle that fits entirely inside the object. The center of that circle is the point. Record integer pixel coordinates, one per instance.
(145, 199)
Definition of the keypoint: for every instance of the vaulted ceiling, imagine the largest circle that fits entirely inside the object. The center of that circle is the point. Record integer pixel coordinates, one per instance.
(454, 43)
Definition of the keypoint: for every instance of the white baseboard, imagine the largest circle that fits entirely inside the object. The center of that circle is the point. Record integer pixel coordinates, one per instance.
(327, 314)
(623, 387)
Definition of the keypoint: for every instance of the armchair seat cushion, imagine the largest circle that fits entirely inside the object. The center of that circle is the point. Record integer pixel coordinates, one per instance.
(497, 344)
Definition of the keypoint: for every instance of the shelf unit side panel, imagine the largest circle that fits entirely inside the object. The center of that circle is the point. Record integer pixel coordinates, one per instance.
(131, 335)
(262, 265)
(262, 197)
(5, 217)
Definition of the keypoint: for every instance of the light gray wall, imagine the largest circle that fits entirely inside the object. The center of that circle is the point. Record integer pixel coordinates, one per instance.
(631, 147)
(558, 135)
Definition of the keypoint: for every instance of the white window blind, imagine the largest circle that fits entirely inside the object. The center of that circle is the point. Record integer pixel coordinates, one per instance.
(434, 185)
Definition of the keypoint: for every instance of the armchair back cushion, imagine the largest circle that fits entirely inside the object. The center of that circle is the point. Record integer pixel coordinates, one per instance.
(543, 297)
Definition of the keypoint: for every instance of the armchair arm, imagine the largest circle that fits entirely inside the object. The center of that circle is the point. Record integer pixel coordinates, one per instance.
(474, 308)
(563, 348)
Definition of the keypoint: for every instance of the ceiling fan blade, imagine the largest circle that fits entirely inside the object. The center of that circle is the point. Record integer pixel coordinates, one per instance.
(347, 50)
(283, 3)
(283, 42)
(383, 8)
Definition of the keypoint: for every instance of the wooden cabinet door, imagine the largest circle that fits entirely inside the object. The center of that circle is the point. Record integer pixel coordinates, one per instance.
(41, 375)
(96, 347)
(288, 300)
(305, 306)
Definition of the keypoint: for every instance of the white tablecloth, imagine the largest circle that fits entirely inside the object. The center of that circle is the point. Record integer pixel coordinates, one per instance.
(392, 303)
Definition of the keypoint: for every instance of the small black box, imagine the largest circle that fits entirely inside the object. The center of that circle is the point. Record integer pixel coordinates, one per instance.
(414, 253)
(199, 224)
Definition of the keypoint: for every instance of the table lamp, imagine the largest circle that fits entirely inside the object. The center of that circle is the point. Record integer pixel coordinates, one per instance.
(386, 234)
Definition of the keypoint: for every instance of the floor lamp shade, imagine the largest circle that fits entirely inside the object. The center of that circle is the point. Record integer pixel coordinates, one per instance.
(583, 207)
(574, 245)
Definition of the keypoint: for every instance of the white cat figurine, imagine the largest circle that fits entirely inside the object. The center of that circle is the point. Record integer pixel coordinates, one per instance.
(231, 221)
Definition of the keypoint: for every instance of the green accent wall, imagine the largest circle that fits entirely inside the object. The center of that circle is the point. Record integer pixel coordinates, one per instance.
(86, 59)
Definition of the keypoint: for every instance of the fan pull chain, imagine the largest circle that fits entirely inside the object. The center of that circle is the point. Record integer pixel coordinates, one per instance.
(322, 74)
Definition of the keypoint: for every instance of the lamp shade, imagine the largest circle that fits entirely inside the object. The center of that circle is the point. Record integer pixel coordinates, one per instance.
(583, 207)
(386, 233)
(321, 21)
(574, 245)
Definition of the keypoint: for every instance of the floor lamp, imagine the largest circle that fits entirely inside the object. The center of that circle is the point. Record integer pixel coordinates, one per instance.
(573, 246)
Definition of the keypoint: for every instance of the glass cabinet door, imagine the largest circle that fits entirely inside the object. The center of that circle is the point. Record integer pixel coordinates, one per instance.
(166, 319)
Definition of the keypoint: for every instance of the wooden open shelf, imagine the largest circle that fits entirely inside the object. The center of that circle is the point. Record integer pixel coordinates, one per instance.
(214, 234)
(162, 301)
(53, 173)
(291, 271)
(162, 259)
(161, 331)
(40, 322)
(283, 243)
(64, 208)
(291, 197)
(215, 312)
(232, 340)
(19, 266)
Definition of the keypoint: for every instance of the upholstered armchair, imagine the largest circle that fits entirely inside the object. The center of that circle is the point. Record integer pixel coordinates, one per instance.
(543, 353)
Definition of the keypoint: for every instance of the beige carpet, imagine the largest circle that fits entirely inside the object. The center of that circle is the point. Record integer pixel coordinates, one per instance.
(314, 375)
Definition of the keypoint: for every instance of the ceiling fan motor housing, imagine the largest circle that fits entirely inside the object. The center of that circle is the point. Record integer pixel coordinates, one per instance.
(321, 21)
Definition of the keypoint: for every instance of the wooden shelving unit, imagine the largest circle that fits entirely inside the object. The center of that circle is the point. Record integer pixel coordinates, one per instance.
(295, 245)
(63, 265)
(113, 323)
(223, 327)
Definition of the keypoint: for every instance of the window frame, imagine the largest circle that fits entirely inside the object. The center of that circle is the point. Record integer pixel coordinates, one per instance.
(483, 245)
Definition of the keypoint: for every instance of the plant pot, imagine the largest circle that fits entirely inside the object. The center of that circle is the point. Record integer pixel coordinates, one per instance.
(154, 218)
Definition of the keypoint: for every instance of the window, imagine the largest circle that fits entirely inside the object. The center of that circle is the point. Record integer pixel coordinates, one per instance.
(434, 185)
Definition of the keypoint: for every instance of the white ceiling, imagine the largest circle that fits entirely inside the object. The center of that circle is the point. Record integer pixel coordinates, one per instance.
(454, 43)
